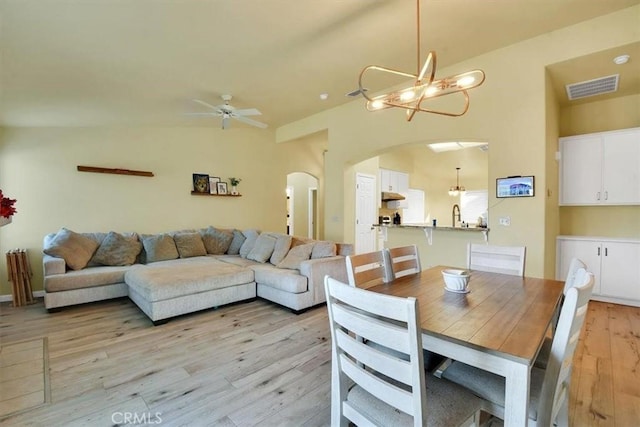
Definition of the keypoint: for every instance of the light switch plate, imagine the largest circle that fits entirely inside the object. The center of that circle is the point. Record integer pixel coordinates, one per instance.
(505, 220)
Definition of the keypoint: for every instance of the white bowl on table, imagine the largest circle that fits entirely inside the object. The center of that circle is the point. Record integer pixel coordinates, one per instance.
(456, 280)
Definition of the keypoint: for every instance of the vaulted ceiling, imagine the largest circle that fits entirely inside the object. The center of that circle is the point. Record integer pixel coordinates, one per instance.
(140, 62)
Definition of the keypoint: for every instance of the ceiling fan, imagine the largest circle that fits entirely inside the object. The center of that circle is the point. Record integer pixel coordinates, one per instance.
(227, 111)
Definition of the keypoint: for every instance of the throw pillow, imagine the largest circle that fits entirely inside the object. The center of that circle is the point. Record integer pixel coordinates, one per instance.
(74, 248)
(117, 249)
(323, 250)
(283, 244)
(249, 243)
(263, 248)
(216, 241)
(159, 247)
(236, 243)
(296, 256)
(189, 245)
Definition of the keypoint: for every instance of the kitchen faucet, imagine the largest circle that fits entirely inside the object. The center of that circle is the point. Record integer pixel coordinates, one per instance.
(454, 215)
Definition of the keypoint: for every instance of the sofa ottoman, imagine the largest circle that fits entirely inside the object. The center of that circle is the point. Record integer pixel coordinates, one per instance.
(171, 288)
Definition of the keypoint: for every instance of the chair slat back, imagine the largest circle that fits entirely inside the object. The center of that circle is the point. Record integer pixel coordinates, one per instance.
(384, 319)
(496, 259)
(403, 260)
(366, 270)
(570, 280)
(555, 389)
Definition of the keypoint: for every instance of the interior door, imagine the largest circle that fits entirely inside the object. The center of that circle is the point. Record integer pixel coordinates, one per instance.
(365, 213)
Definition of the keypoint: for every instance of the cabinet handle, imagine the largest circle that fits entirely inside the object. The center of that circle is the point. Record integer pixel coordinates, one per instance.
(606, 195)
(606, 251)
(598, 251)
(598, 195)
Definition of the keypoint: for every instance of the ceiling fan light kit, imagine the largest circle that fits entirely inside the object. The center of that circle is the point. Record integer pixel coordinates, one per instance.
(425, 86)
(227, 111)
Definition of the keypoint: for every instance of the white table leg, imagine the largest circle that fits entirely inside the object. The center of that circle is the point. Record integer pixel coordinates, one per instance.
(516, 402)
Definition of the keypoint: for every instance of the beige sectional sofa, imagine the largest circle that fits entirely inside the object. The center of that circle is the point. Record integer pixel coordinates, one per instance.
(180, 272)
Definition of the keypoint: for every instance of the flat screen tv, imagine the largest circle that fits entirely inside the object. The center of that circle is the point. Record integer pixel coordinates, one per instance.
(515, 186)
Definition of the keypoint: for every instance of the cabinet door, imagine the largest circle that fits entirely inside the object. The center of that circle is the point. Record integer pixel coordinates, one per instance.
(581, 170)
(621, 270)
(403, 182)
(621, 167)
(385, 180)
(587, 251)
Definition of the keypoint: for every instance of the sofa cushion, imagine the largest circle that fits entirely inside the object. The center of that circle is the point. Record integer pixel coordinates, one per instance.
(189, 245)
(262, 250)
(322, 249)
(295, 256)
(283, 244)
(74, 248)
(249, 243)
(284, 280)
(159, 247)
(87, 278)
(216, 241)
(236, 243)
(117, 249)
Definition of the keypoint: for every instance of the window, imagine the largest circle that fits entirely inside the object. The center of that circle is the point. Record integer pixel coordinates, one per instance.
(473, 204)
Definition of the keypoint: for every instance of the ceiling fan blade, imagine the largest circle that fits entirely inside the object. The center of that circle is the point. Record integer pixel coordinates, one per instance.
(211, 114)
(206, 104)
(250, 121)
(248, 112)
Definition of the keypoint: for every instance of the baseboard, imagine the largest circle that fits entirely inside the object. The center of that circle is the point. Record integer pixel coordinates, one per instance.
(9, 298)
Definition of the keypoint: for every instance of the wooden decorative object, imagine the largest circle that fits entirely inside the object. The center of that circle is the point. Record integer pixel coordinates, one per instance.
(115, 171)
(19, 272)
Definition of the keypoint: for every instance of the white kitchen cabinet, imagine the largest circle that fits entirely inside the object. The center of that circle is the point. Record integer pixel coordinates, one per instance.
(615, 264)
(601, 168)
(394, 181)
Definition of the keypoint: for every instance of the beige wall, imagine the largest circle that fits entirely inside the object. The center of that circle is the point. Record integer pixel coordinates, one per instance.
(612, 221)
(509, 111)
(38, 168)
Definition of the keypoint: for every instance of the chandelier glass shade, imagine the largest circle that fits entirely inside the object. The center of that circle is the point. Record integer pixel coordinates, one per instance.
(458, 189)
(425, 86)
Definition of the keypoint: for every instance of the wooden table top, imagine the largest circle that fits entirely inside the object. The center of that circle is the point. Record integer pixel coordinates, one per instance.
(503, 314)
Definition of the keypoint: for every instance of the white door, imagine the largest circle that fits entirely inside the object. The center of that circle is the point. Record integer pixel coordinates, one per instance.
(621, 270)
(581, 170)
(587, 251)
(621, 168)
(365, 213)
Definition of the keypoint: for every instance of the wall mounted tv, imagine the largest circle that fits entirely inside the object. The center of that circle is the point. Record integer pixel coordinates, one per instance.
(515, 186)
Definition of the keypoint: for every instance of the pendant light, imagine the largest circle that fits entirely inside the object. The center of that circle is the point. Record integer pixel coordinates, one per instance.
(457, 190)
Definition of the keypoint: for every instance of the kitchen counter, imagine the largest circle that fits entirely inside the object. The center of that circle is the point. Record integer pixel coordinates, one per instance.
(428, 229)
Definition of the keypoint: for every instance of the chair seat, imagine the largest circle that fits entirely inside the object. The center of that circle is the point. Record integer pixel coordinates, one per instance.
(447, 405)
(543, 356)
(491, 387)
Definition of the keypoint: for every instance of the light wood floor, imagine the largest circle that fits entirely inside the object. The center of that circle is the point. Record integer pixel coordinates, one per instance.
(255, 364)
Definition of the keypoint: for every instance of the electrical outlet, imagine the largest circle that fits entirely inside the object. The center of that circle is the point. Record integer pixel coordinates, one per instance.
(505, 220)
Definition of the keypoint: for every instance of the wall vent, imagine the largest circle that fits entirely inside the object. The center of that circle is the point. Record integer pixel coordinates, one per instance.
(593, 87)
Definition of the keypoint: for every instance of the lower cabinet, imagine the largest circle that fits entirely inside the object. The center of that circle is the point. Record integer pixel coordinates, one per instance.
(615, 264)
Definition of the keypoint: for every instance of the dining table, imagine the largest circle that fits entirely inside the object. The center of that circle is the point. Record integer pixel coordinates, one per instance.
(498, 325)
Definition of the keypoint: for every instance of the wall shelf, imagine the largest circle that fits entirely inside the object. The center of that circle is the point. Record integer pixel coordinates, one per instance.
(116, 171)
(197, 193)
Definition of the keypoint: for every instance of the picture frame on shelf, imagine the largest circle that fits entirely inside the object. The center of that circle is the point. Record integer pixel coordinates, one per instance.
(213, 184)
(201, 183)
(222, 188)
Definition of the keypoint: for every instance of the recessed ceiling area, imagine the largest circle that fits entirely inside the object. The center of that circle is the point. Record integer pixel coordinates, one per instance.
(596, 66)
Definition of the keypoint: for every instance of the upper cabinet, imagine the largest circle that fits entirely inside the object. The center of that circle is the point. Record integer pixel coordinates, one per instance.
(601, 168)
(394, 181)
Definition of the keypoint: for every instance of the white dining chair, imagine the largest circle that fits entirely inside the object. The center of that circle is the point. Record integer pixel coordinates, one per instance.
(570, 281)
(367, 269)
(549, 391)
(496, 259)
(403, 260)
(372, 387)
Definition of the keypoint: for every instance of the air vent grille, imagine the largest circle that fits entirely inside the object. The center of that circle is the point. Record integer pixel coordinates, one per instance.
(593, 87)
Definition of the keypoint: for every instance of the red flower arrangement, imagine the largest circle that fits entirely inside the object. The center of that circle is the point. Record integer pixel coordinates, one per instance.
(6, 206)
